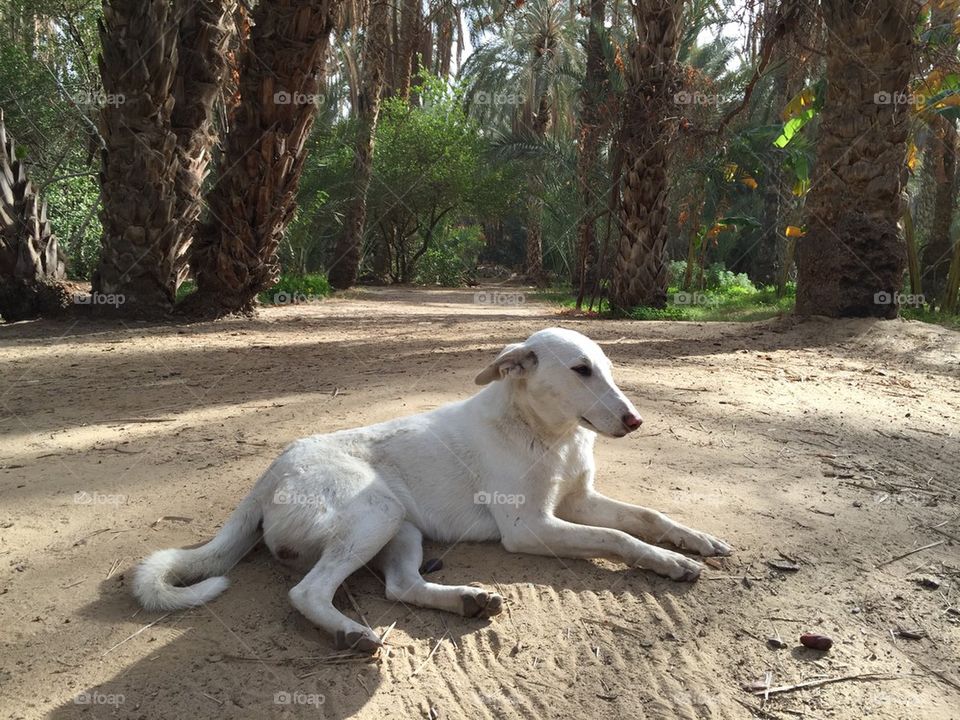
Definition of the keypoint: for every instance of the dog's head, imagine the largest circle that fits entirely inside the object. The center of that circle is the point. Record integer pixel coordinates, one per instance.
(567, 380)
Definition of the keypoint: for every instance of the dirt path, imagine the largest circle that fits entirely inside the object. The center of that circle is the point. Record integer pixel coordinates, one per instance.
(833, 444)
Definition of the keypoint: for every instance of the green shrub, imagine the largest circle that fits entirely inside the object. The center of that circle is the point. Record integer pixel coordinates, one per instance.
(452, 257)
(676, 271)
(719, 278)
(296, 289)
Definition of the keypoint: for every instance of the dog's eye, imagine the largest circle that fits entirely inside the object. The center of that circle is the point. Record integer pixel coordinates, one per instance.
(583, 370)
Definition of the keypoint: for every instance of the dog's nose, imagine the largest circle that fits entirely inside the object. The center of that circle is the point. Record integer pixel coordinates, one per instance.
(632, 421)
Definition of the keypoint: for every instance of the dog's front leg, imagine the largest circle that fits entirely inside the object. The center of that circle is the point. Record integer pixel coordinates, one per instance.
(544, 534)
(589, 507)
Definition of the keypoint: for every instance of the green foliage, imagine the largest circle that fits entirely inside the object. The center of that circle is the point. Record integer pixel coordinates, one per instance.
(325, 189)
(187, 287)
(50, 93)
(719, 278)
(925, 314)
(728, 297)
(297, 289)
(72, 208)
(451, 259)
(429, 173)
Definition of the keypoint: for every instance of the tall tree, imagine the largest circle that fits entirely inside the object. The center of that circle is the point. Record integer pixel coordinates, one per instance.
(592, 96)
(942, 159)
(234, 255)
(140, 167)
(203, 38)
(405, 47)
(851, 261)
(647, 126)
(30, 260)
(346, 261)
(523, 82)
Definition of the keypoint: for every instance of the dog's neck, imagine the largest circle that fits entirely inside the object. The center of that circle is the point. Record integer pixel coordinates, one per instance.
(510, 398)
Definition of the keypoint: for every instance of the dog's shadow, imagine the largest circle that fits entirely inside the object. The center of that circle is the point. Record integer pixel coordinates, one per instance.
(250, 654)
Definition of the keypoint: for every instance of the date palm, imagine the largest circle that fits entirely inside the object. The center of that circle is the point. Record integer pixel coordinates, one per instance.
(203, 39)
(942, 159)
(524, 84)
(852, 260)
(30, 260)
(139, 174)
(234, 255)
(346, 263)
(646, 130)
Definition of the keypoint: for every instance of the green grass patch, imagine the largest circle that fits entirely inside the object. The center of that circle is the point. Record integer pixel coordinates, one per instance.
(297, 289)
(929, 316)
(289, 290)
(730, 304)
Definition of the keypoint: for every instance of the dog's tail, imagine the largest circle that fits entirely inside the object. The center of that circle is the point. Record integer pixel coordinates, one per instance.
(161, 581)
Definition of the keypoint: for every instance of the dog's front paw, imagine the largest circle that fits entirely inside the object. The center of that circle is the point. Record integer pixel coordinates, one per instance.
(700, 543)
(481, 604)
(676, 567)
(359, 642)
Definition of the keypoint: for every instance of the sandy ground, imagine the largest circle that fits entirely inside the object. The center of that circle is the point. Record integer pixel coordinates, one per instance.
(832, 444)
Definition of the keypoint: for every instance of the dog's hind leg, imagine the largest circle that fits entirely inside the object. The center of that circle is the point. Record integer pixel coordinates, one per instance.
(400, 561)
(362, 529)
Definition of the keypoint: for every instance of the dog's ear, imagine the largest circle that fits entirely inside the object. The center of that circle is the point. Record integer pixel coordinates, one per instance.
(513, 361)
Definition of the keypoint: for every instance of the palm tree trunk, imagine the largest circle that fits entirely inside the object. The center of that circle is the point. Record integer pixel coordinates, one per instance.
(201, 73)
(139, 169)
(951, 295)
(851, 261)
(534, 250)
(592, 94)
(937, 254)
(640, 268)
(346, 263)
(30, 262)
(445, 40)
(409, 41)
(234, 255)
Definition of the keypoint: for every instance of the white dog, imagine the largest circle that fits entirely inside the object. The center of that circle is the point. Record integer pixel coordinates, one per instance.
(513, 463)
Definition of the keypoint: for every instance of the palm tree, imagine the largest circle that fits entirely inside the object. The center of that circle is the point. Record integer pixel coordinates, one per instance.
(343, 271)
(527, 79)
(942, 158)
(640, 269)
(851, 261)
(234, 255)
(140, 167)
(203, 38)
(30, 261)
(406, 44)
(592, 96)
